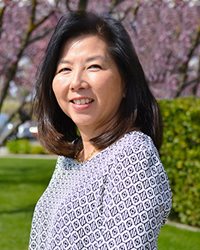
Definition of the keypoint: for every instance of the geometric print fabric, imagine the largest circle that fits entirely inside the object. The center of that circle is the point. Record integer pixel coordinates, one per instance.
(119, 199)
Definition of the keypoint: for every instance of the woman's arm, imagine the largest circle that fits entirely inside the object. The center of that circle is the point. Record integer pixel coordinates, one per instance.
(137, 198)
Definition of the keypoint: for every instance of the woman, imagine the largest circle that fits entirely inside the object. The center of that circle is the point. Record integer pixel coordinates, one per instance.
(109, 189)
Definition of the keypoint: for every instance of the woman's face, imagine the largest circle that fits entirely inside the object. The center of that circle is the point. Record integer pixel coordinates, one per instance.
(87, 84)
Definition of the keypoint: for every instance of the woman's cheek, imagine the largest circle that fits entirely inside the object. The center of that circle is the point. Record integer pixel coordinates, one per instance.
(60, 83)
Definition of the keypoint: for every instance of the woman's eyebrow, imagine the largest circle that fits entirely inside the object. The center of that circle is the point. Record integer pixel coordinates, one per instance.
(89, 59)
(62, 61)
(92, 58)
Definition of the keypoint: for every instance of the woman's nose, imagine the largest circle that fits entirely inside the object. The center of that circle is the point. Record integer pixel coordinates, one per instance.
(77, 81)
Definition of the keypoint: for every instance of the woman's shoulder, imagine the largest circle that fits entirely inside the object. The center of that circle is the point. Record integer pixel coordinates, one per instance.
(135, 143)
(136, 139)
(64, 162)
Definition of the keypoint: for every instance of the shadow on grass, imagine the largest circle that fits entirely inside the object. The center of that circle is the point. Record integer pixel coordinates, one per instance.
(21, 174)
(27, 209)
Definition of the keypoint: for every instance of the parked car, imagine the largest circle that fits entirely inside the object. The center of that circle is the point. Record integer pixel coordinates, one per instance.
(27, 130)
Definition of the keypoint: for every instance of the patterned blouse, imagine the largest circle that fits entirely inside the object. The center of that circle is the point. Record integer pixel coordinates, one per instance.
(119, 199)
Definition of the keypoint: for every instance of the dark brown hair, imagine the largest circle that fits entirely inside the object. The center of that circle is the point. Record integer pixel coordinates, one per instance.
(138, 110)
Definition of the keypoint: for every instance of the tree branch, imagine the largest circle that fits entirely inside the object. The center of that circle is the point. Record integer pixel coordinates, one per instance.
(114, 4)
(36, 25)
(11, 71)
(134, 10)
(184, 67)
(2, 11)
(9, 76)
(193, 81)
(40, 36)
(33, 11)
(18, 110)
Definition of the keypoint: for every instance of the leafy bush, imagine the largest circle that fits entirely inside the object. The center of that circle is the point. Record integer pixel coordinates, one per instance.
(37, 149)
(24, 146)
(180, 155)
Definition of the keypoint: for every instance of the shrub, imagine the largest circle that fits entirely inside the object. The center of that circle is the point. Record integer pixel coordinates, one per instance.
(23, 146)
(37, 149)
(18, 146)
(180, 155)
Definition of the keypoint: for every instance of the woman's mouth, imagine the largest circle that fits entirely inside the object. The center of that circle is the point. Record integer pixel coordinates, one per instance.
(82, 101)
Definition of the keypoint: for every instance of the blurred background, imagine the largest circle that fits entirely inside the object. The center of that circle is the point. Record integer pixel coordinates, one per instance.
(166, 36)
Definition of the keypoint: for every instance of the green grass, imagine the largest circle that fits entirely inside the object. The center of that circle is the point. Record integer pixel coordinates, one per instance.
(172, 238)
(22, 181)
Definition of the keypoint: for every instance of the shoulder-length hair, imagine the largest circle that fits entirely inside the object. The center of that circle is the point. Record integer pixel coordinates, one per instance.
(138, 110)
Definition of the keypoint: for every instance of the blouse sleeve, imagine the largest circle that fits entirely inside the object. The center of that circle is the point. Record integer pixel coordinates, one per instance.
(137, 198)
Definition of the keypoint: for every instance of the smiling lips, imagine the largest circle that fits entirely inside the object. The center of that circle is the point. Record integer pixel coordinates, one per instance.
(82, 101)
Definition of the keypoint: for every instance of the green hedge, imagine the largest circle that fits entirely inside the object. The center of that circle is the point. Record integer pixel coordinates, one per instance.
(23, 146)
(180, 155)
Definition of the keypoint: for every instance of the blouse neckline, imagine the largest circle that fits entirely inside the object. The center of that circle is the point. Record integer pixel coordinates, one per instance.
(103, 151)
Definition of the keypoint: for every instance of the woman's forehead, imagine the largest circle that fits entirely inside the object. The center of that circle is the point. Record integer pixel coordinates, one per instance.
(91, 46)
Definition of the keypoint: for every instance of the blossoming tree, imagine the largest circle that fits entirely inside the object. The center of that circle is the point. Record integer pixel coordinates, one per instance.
(166, 35)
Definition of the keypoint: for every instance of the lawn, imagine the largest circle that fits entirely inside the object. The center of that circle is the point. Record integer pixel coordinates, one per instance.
(21, 183)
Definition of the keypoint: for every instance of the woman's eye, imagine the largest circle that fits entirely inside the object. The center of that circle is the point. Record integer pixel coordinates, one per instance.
(64, 70)
(95, 66)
